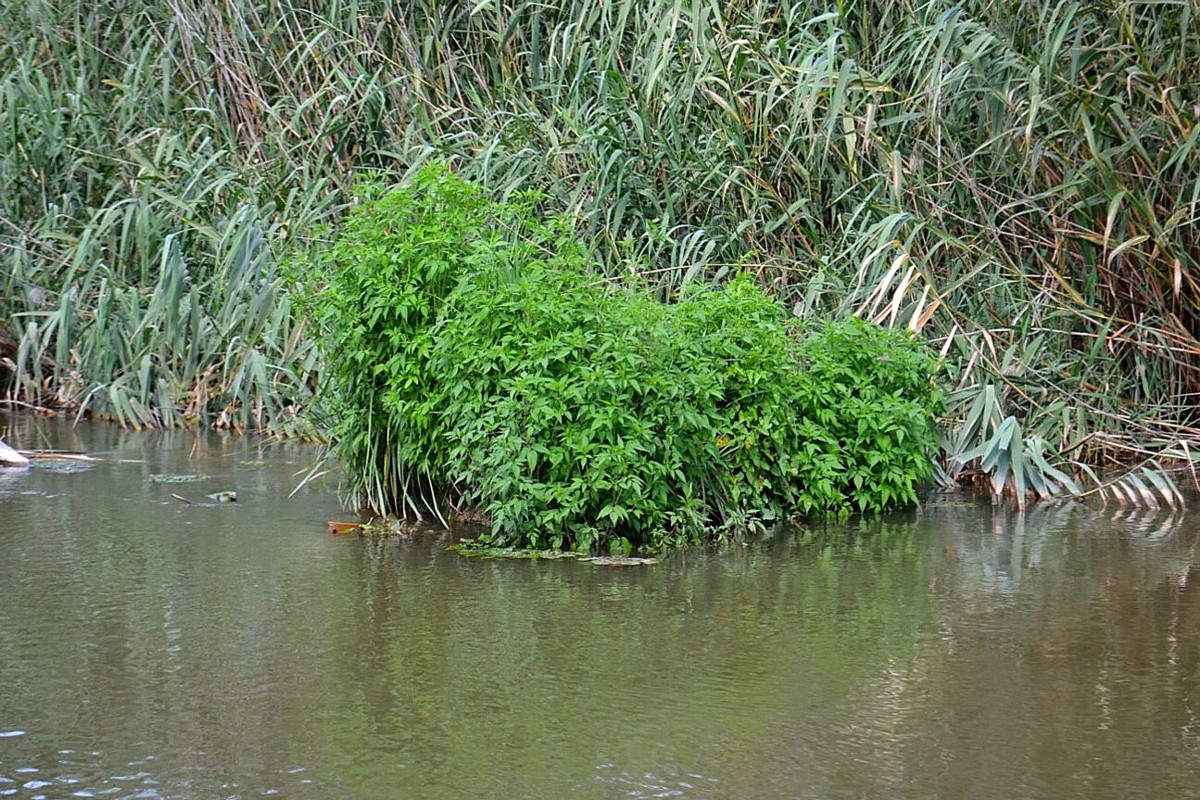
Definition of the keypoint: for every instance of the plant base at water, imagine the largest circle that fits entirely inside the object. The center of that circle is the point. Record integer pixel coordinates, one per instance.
(478, 359)
(1016, 182)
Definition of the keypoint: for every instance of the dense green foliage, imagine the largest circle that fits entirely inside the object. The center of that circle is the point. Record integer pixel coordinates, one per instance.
(476, 360)
(377, 293)
(137, 263)
(1019, 182)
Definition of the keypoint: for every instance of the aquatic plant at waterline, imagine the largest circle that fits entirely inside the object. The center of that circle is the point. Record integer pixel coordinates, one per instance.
(988, 448)
(137, 247)
(994, 447)
(1014, 181)
(376, 294)
(211, 335)
(478, 360)
(157, 304)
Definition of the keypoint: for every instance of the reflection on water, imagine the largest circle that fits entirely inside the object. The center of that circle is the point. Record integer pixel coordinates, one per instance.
(153, 649)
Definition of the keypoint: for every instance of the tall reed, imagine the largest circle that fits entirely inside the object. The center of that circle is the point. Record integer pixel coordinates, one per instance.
(1018, 181)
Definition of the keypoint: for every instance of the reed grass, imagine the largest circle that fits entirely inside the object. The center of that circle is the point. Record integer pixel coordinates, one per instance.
(1018, 181)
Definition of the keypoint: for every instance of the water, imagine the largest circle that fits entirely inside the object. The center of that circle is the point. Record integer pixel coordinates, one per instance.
(151, 649)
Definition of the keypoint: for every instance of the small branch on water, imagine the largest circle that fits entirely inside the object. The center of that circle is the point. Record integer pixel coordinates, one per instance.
(56, 455)
(67, 455)
(50, 412)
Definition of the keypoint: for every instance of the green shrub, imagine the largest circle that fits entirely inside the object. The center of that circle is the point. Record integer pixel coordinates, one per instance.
(477, 360)
(866, 390)
(380, 287)
(579, 413)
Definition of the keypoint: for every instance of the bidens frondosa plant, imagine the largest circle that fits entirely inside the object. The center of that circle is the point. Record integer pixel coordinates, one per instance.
(476, 360)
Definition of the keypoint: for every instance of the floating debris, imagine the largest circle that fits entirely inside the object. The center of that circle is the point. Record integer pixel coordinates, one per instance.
(175, 478)
(217, 498)
(619, 561)
(63, 465)
(474, 549)
(64, 455)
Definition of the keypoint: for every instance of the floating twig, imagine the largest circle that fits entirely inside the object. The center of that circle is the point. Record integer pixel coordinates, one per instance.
(8, 401)
(56, 455)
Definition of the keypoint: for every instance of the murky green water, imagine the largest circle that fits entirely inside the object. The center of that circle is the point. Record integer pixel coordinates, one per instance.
(150, 649)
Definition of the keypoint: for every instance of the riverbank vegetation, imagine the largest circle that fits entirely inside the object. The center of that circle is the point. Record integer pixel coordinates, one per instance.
(477, 362)
(1017, 183)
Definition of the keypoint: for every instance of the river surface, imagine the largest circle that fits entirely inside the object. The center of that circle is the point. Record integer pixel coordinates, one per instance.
(153, 649)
